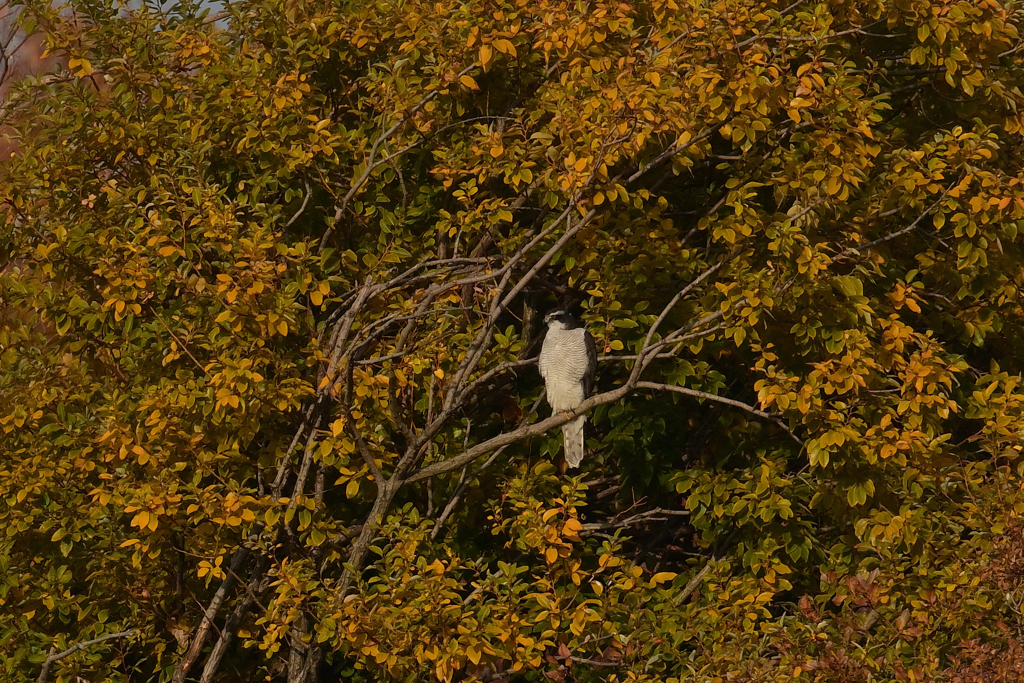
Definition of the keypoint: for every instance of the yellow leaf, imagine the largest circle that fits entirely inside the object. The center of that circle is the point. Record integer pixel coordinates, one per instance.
(141, 519)
(551, 554)
(439, 373)
(662, 577)
(81, 67)
(485, 54)
(469, 83)
(505, 46)
(167, 250)
(497, 151)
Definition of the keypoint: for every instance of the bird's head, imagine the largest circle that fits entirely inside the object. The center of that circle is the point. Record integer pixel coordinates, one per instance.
(561, 319)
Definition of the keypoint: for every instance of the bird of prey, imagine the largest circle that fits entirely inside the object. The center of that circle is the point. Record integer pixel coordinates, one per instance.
(568, 360)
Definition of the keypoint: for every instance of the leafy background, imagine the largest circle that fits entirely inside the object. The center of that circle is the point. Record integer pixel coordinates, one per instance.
(272, 286)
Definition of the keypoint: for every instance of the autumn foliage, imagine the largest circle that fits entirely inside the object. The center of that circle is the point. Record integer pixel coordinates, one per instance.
(271, 289)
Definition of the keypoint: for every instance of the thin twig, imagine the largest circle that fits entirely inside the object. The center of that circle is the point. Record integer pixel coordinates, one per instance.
(364, 451)
(654, 515)
(638, 368)
(784, 12)
(372, 163)
(301, 208)
(183, 346)
(777, 419)
(904, 231)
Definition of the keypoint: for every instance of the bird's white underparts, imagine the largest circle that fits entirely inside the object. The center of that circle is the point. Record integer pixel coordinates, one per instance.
(568, 361)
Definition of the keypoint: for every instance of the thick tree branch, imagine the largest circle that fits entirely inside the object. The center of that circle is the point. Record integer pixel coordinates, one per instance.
(181, 671)
(371, 464)
(517, 435)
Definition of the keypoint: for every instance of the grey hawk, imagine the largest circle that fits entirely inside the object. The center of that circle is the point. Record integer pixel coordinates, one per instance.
(568, 361)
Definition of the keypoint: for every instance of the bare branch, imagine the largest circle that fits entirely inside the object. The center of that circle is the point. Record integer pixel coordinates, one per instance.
(465, 481)
(282, 468)
(302, 208)
(680, 335)
(183, 345)
(459, 490)
(777, 419)
(181, 671)
(784, 12)
(54, 657)
(655, 515)
(672, 151)
(307, 461)
(231, 624)
(378, 476)
(638, 368)
(495, 371)
(517, 435)
(693, 584)
(904, 231)
(372, 163)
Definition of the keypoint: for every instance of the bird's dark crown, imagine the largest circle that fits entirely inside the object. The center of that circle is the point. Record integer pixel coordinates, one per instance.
(565, 317)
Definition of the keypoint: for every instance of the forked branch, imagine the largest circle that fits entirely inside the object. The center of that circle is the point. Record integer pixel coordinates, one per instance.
(57, 656)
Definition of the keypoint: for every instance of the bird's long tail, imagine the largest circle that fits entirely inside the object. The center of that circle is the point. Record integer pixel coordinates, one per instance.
(572, 435)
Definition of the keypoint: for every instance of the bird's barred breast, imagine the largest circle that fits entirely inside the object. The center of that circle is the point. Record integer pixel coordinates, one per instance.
(563, 364)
